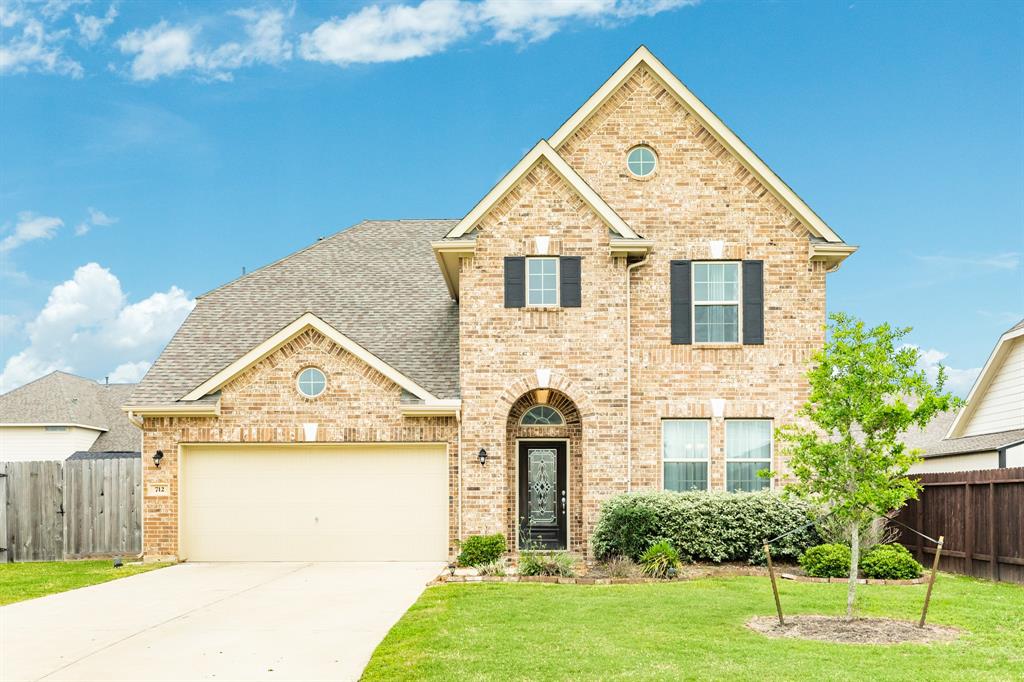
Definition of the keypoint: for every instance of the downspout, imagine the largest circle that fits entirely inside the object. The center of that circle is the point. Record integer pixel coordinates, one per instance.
(458, 473)
(629, 372)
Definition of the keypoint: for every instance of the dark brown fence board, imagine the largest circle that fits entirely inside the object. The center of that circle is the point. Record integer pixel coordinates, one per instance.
(981, 515)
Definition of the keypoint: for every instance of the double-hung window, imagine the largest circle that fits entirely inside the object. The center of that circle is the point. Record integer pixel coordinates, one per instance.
(716, 302)
(748, 450)
(685, 454)
(541, 281)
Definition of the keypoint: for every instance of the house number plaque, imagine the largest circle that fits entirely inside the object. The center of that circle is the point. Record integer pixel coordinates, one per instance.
(159, 490)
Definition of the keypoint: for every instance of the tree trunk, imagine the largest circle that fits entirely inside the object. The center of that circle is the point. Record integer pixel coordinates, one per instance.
(854, 560)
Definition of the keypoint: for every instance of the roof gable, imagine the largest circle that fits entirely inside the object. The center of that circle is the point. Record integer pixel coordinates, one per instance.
(1012, 340)
(283, 336)
(543, 151)
(728, 139)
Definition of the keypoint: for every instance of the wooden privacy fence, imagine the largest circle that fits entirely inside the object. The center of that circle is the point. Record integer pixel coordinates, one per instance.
(981, 515)
(72, 509)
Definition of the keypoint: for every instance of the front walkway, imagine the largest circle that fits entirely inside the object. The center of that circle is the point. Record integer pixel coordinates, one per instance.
(229, 621)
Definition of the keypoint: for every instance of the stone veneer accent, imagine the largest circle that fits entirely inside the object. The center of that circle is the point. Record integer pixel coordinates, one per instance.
(262, 405)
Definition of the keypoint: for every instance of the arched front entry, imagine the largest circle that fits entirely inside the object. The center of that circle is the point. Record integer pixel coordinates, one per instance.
(545, 485)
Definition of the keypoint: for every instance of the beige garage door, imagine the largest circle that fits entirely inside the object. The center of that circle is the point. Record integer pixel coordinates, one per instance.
(314, 503)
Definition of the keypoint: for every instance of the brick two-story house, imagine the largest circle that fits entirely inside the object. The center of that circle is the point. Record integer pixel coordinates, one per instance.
(632, 307)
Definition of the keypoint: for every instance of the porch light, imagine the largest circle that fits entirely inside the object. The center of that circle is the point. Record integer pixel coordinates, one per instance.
(157, 457)
(482, 456)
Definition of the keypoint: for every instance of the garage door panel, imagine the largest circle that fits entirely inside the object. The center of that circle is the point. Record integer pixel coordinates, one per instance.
(351, 503)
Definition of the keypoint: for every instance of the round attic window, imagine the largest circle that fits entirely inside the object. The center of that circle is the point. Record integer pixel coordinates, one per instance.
(311, 382)
(641, 161)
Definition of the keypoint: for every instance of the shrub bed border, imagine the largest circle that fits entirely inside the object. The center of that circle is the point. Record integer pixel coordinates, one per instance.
(860, 581)
(551, 579)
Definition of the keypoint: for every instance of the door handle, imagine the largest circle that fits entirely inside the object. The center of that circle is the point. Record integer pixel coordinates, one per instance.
(563, 502)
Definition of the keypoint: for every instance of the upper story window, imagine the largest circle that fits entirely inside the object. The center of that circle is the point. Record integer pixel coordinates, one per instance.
(311, 382)
(748, 450)
(685, 449)
(541, 281)
(716, 298)
(641, 161)
(542, 415)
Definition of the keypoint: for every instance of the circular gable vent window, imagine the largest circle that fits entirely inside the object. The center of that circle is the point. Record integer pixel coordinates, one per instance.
(311, 382)
(641, 161)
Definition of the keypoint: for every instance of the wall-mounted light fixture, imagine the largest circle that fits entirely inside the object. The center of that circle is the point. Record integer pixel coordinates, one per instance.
(157, 457)
(482, 455)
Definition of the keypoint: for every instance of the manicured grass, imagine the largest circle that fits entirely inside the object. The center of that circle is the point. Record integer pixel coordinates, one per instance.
(692, 630)
(29, 580)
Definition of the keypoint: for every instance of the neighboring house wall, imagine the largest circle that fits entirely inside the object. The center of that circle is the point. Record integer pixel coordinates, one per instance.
(262, 405)
(1015, 456)
(1001, 406)
(33, 443)
(971, 462)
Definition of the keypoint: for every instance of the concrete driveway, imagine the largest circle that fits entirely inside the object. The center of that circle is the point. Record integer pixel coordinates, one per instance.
(230, 621)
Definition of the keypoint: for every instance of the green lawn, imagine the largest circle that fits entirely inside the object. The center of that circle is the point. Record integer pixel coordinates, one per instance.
(692, 630)
(29, 580)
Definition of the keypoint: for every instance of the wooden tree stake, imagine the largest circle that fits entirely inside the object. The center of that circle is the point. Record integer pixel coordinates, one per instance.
(775, 588)
(931, 581)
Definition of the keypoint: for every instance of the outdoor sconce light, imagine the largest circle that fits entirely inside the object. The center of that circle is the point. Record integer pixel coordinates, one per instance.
(157, 457)
(482, 455)
(451, 569)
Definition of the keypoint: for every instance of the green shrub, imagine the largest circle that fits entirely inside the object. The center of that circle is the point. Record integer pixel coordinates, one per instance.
(703, 526)
(659, 560)
(482, 549)
(533, 562)
(827, 561)
(890, 562)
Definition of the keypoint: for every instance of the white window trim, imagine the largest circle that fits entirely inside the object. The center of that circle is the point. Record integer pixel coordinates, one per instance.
(664, 459)
(534, 407)
(298, 387)
(558, 280)
(771, 449)
(738, 303)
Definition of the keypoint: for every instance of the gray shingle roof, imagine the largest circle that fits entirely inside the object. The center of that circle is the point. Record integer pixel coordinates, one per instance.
(62, 398)
(980, 443)
(376, 282)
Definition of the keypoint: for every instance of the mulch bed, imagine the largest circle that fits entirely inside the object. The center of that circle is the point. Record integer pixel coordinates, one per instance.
(857, 631)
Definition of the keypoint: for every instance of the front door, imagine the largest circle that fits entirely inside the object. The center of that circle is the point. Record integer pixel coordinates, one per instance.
(543, 500)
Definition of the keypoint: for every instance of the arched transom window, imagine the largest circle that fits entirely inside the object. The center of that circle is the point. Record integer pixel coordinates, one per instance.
(542, 415)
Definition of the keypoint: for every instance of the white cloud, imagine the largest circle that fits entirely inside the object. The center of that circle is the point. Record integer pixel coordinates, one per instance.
(92, 28)
(129, 372)
(55, 9)
(8, 325)
(97, 218)
(395, 32)
(29, 228)
(88, 327)
(34, 47)
(166, 50)
(959, 381)
(1008, 260)
(159, 50)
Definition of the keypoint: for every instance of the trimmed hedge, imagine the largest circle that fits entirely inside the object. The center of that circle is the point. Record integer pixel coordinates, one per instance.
(890, 562)
(827, 561)
(702, 526)
(482, 549)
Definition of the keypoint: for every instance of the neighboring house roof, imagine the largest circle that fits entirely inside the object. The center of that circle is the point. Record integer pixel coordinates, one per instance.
(983, 443)
(988, 373)
(925, 439)
(63, 399)
(376, 282)
(89, 455)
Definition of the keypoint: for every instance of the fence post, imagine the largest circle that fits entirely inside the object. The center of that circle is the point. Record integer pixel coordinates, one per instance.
(968, 530)
(5, 555)
(920, 524)
(993, 541)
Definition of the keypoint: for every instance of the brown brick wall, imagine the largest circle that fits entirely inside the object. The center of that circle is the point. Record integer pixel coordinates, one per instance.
(360, 405)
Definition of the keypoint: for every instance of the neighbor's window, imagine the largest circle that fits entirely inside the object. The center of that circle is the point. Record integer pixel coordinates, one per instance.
(748, 450)
(685, 450)
(541, 281)
(542, 415)
(716, 302)
(641, 161)
(312, 382)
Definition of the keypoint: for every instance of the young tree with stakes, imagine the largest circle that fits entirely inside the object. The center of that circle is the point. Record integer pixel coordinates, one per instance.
(866, 391)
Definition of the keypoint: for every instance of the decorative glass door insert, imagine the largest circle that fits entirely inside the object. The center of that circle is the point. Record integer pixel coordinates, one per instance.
(542, 486)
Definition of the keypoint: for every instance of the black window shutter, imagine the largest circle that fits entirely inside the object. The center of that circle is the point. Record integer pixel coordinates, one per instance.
(753, 302)
(569, 274)
(679, 286)
(515, 282)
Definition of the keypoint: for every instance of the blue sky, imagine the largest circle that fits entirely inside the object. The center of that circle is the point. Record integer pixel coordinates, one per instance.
(149, 151)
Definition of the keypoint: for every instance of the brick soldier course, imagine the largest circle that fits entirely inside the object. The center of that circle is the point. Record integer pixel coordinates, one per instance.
(705, 201)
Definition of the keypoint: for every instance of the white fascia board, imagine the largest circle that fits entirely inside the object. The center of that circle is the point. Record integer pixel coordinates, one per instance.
(67, 424)
(448, 254)
(435, 408)
(543, 150)
(289, 332)
(992, 365)
(174, 410)
(710, 121)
